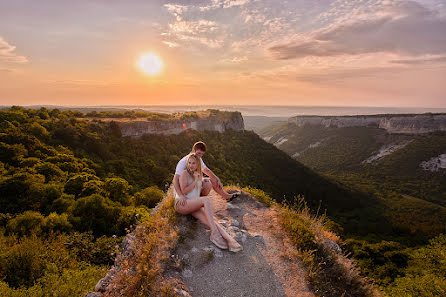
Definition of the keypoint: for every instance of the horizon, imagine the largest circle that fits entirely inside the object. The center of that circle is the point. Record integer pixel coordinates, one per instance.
(283, 111)
(205, 52)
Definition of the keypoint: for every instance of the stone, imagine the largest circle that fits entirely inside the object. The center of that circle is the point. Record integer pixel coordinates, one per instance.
(194, 250)
(181, 293)
(231, 206)
(234, 229)
(103, 283)
(235, 223)
(333, 246)
(93, 294)
(244, 237)
(187, 273)
(218, 253)
(238, 236)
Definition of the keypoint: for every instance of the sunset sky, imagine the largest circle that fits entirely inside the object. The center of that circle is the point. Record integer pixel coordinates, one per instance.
(296, 52)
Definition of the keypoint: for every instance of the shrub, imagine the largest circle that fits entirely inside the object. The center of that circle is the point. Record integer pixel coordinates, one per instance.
(75, 184)
(24, 263)
(30, 222)
(95, 213)
(118, 189)
(63, 204)
(149, 197)
(56, 222)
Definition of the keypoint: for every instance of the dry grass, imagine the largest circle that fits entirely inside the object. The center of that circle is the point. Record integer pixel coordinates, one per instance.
(141, 273)
(329, 272)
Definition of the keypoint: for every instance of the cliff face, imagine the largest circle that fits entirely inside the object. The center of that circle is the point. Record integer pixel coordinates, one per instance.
(209, 121)
(411, 124)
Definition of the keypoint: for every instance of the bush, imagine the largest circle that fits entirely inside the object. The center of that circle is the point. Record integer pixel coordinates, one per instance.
(95, 213)
(63, 204)
(118, 189)
(55, 222)
(24, 263)
(149, 197)
(75, 184)
(30, 222)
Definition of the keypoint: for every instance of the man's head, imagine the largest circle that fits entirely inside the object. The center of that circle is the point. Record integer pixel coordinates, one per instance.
(199, 148)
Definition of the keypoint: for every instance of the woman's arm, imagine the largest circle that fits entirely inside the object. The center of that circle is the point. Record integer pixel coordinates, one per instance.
(185, 188)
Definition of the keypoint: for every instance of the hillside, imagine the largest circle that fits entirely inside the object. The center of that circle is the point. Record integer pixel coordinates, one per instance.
(404, 163)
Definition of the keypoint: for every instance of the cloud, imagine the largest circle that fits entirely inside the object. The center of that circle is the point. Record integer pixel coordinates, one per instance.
(419, 61)
(406, 28)
(203, 31)
(234, 60)
(7, 70)
(7, 53)
(171, 44)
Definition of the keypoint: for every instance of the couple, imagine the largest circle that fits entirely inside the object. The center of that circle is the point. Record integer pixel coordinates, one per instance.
(191, 191)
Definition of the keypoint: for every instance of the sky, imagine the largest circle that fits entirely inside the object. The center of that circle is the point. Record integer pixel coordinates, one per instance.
(236, 52)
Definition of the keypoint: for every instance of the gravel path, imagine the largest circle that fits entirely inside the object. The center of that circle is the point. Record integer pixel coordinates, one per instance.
(267, 266)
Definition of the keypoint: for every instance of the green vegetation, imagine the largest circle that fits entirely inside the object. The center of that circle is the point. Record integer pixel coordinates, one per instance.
(62, 217)
(73, 187)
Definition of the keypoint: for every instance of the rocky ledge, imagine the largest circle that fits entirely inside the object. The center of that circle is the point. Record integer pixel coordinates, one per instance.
(409, 124)
(213, 120)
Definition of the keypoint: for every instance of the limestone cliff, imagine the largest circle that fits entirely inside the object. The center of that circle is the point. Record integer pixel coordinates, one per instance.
(205, 120)
(410, 124)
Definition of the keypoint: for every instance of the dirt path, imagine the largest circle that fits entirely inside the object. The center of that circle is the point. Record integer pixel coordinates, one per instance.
(266, 267)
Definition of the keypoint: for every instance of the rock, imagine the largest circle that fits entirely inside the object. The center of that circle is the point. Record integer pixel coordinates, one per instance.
(181, 293)
(244, 237)
(333, 246)
(194, 250)
(223, 222)
(93, 294)
(218, 253)
(187, 273)
(206, 121)
(231, 206)
(238, 236)
(235, 223)
(103, 283)
(234, 229)
(423, 123)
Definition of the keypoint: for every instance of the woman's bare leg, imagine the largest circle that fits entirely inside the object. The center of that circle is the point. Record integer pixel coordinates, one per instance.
(201, 215)
(194, 204)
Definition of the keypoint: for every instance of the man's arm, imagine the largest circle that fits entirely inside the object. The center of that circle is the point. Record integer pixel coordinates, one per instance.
(213, 176)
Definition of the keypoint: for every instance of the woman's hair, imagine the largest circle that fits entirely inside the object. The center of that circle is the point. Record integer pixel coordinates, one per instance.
(197, 159)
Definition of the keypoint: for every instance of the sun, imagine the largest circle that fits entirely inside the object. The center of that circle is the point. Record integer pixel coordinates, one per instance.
(150, 64)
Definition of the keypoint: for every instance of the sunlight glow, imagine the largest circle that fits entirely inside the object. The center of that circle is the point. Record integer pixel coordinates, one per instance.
(150, 64)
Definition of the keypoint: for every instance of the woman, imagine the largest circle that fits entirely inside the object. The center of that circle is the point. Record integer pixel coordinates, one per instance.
(200, 207)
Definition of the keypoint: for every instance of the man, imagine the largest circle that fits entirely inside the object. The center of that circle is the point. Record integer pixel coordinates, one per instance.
(199, 148)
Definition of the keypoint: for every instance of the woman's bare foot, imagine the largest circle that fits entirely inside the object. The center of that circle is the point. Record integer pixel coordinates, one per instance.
(234, 246)
(219, 241)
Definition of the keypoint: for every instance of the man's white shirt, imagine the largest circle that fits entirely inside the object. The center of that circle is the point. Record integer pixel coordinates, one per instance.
(182, 164)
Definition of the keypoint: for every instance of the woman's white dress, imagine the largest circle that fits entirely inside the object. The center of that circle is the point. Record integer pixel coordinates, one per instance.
(196, 191)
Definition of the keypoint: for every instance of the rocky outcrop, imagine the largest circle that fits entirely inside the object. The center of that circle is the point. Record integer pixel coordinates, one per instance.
(434, 164)
(204, 121)
(409, 124)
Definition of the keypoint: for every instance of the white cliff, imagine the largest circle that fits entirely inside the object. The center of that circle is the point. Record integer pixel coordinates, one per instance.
(409, 124)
